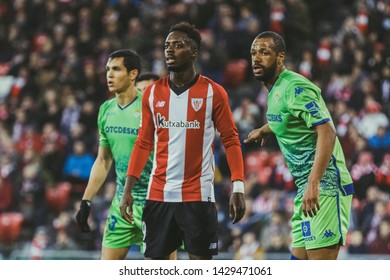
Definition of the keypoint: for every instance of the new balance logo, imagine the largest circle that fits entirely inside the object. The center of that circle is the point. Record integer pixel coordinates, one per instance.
(328, 233)
(213, 246)
(160, 104)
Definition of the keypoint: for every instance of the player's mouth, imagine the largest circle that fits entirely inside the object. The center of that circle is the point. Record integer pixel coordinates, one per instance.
(110, 84)
(170, 60)
(257, 68)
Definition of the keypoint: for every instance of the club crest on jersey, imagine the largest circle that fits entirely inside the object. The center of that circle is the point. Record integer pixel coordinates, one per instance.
(277, 97)
(137, 114)
(196, 103)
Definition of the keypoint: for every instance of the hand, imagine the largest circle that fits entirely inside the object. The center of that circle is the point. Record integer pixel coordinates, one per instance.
(310, 203)
(236, 207)
(127, 207)
(82, 216)
(259, 135)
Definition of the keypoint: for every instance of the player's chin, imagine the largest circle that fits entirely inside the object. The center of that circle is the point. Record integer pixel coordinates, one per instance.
(258, 77)
(173, 68)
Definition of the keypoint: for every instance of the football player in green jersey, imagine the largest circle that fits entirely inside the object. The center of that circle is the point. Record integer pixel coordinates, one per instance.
(303, 127)
(118, 123)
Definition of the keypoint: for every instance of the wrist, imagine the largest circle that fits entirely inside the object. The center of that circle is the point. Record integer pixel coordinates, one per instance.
(88, 202)
(238, 187)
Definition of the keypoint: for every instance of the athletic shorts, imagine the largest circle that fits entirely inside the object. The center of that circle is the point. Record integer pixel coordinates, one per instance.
(166, 225)
(118, 233)
(327, 228)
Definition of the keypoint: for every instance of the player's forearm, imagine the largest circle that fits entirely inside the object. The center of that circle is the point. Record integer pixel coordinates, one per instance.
(138, 160)
(326, 137)
(266, 129)
(97, 177)
(130, 183)
(235, 162)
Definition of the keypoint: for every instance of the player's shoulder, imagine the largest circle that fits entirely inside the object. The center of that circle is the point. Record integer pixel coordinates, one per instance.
(294, 81)
(162, 82)
(217, 88)
(107, 104)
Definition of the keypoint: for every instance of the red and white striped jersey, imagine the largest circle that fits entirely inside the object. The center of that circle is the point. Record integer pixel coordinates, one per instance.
(181, 130)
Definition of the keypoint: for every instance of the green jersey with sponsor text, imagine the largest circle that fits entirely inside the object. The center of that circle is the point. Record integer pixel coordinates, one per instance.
(118, 129)
(295, 107)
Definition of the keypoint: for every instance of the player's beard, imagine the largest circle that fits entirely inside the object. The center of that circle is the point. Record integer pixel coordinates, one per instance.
(269, 73)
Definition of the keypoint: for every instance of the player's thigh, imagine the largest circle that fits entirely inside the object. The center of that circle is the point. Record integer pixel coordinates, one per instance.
(299, 253)
(327, 253)
(118, 233)
(198, 222)
(161, 233)
(114, 253)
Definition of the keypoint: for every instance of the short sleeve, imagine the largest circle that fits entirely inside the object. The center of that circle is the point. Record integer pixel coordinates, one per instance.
(305, 102)
(103, 141)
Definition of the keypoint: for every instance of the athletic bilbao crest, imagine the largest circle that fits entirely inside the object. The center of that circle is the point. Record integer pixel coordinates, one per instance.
(196, 103)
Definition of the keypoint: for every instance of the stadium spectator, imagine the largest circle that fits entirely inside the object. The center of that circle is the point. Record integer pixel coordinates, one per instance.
(78, 164)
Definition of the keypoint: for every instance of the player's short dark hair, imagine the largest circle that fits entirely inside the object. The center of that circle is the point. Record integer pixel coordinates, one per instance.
(147, 76)
(188, 29)
(280, 45)
(131, 60)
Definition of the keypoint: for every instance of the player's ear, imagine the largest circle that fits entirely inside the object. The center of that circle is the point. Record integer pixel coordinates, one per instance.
(280, 59)
(194, 52)
(133, 74)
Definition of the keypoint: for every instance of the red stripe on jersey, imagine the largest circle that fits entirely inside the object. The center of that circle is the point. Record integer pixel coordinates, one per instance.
(196, 110)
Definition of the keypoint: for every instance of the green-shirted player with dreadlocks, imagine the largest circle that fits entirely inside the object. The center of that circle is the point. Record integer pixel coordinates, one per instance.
(303, 127)
(118, 123)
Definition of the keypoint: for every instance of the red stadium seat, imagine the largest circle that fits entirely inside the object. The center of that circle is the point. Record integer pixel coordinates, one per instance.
(235, 72)
(255, 161)
(10, 226)
(58, 197)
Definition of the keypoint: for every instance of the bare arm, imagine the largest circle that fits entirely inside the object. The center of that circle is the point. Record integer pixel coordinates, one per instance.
(259, 135)
(126, 206)
(326, 136)
(99, 172)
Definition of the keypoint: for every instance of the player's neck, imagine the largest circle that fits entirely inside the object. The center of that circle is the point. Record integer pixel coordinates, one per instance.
(126, 97)
(179, 79)
(269, 84)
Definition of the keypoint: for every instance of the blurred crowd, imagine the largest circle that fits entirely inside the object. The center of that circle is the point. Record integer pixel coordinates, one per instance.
(52, 81)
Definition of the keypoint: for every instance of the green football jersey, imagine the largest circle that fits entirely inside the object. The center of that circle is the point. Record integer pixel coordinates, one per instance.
(118, 129)
(295, 107)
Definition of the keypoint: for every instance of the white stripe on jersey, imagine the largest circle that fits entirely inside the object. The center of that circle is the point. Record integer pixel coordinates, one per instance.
(178, 105)
(151, 98)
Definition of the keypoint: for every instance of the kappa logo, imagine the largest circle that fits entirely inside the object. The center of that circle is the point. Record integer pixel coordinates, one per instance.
(298, 90)
(160, 104)
(196, 103)
(328, 233)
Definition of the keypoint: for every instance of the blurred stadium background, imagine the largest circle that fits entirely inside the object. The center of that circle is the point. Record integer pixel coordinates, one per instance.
(52, 81)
